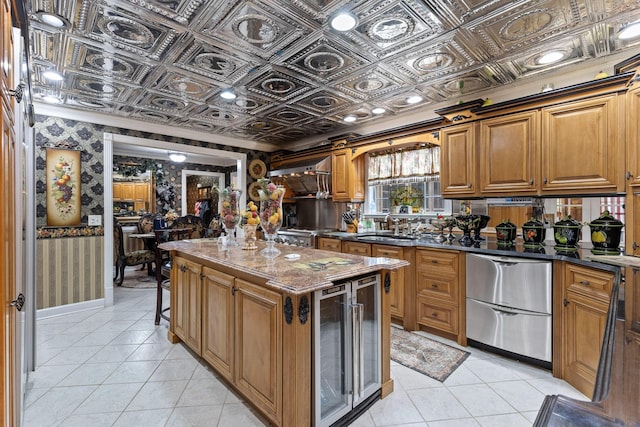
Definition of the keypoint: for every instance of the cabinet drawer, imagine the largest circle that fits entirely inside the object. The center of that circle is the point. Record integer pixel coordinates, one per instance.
(437, 262)
(594, 282)
(328, 244)
(432, 286)
(356, 248)
(439, 315)
(387, 251)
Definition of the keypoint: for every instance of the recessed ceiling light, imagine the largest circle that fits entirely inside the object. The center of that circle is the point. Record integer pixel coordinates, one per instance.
(630, 31)
(228, 94)
(52, 75)
(550, 57)
(53, 19)
(414, 99)
(343, 22)
(378, 110)
(177, 157)
(350, 118)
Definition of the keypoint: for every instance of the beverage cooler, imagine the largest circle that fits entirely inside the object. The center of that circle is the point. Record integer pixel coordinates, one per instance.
(347, 351)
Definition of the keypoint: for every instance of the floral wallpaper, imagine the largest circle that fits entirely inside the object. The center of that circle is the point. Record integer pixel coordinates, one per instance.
(53, 131)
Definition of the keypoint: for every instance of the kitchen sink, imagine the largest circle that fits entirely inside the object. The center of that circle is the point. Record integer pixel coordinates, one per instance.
(385, 238)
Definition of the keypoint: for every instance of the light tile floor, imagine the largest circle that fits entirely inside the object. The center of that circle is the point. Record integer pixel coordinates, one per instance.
(114, 367)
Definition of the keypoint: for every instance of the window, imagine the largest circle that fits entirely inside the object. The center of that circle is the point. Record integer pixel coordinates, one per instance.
(421, 194)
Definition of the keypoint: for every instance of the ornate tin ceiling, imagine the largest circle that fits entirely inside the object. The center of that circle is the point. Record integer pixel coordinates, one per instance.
(166, 61)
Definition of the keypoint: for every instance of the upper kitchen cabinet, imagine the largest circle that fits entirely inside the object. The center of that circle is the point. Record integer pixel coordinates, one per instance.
(348, 174)
(508, 158)
(582, 146)
(458, 161)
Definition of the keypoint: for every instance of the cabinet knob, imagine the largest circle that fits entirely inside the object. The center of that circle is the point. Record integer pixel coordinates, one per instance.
(433, 261)
(434, 314)
(183, 268)
(584, 282)
(634, 246)
(565, 302)
(544, 180)
(531, 181)
(234, 290)
(434, 286)
(628, 175)
(469, 185)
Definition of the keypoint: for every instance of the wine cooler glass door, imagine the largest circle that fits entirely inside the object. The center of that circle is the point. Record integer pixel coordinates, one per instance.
(332, 355)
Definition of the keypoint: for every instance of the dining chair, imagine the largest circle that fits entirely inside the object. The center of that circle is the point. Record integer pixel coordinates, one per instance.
(126, 259)
(163, 263)
(145, 226)
(195, 223)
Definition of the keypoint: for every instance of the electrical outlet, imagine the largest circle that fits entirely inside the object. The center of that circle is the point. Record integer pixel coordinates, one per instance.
(95, 220)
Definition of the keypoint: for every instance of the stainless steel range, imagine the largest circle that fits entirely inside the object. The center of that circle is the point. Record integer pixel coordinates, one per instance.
(298, 237)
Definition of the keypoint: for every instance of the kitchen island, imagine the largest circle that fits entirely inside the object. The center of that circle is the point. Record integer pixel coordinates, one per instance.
(251, 318)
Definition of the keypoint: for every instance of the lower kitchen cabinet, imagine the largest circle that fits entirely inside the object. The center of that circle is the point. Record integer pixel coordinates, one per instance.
(329, 244)
(440, 291)
(218, 321)
(258, 347)
(582, 307)
(401, 279)
(234, 325)
(632, 346)
(356, 248)
(186, 314)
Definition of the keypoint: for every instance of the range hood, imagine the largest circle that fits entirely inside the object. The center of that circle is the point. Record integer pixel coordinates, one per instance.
(306, 178)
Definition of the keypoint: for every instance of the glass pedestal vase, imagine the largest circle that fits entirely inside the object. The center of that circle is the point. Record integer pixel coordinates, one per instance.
(270, 251)
(271, 217)
(249, 236)
(230, 213)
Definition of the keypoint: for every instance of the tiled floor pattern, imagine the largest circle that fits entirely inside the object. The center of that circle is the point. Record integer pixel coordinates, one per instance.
(114, 367)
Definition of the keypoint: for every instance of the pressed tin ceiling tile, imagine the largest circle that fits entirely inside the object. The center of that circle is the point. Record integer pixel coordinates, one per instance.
(166, 61)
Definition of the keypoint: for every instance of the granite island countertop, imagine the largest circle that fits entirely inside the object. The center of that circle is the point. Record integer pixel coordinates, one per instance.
(313, 270)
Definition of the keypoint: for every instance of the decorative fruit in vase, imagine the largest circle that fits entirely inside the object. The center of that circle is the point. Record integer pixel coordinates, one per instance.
(270, 214)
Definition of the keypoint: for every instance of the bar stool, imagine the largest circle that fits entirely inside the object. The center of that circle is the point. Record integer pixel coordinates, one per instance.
(163, 265)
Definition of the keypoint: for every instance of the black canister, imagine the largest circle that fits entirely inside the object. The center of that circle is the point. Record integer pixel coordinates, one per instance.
(159, 223)
(533, 232)
(567, 232)
(605, 233)
(506, 232)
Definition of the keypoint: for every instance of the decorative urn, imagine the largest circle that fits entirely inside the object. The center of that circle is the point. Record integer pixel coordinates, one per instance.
(533, 232)
(567, 232)
(506, 233)
(605, 234)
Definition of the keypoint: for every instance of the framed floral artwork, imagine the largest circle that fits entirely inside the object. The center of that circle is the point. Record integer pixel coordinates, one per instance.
(63, 187)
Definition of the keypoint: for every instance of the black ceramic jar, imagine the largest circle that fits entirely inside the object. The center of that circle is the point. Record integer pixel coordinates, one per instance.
(567, 232)
(605, 234)
(533, 232)
(506, 233)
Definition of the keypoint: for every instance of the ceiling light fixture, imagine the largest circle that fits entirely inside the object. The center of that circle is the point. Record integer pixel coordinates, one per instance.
(343, 21)
(177, 157)
(228, 94)
(350, 118)
(414, 99)
(52, 75)
(550, 57)
(52, 99)
(53, 19)
(378, 110)
(630, 31)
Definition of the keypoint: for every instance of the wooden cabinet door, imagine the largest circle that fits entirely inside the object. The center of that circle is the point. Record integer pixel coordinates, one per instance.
(582, 147)
(458, 161)
(186, 310)
(258, 348)
(218, 321)
(632, 377)
(117, 191)
(508, 160)
(127, 191)
(347, 177)
(585, 304)
(141, 191)
(356, 248)
(396, 292)
(633, 137)
(329, 244)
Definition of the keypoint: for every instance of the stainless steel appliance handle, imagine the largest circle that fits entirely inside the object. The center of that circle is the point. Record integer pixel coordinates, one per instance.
(361, 345)
(355, 356)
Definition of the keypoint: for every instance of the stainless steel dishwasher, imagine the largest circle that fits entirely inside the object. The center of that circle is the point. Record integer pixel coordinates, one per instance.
(509, 304)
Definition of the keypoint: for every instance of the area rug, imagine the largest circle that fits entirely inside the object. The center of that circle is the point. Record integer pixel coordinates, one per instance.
(422, 354)
(136, 278)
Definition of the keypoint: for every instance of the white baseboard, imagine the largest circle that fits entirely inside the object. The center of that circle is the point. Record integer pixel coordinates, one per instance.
(69, 308)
